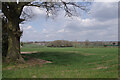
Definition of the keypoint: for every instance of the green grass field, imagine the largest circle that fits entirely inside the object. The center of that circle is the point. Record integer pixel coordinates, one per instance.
(68, 63)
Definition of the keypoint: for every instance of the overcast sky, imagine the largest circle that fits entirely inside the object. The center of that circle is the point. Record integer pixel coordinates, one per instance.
(99, 24)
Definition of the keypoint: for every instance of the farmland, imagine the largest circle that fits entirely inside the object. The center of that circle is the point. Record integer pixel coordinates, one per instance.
(67, 62)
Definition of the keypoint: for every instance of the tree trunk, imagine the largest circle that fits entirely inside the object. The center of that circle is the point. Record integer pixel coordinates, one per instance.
(4, 38)
(14, 35)
(13, 11)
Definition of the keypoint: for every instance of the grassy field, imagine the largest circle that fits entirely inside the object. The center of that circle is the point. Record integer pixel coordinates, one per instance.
(68, 63)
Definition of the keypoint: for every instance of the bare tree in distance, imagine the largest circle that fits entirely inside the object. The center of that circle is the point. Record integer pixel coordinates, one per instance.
(87, 43)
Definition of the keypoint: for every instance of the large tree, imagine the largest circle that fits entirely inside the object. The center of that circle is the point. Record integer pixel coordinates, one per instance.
(11, 20)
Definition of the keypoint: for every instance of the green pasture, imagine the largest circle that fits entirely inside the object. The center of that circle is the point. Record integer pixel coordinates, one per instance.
(67, 63)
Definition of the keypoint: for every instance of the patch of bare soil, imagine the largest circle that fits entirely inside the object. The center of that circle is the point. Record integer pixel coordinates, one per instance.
(35, 61)
(73, 51)
(29, 52)
(101, 67)
(30, 62)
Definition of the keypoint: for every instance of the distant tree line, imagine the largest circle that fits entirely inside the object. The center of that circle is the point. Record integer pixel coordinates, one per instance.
(65, 43)
(60, 43)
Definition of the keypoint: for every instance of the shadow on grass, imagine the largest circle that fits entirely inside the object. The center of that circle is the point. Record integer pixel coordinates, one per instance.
(58, 58)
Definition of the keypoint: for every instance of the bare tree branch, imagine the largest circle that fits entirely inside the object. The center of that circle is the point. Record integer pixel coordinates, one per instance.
(54, 7)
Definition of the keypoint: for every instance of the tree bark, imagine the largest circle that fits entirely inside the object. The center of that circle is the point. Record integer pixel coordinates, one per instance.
(13, 19)
(14, 35)
(4, 38)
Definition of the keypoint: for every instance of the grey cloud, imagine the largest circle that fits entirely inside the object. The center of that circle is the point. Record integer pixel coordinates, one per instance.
(104, 11)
